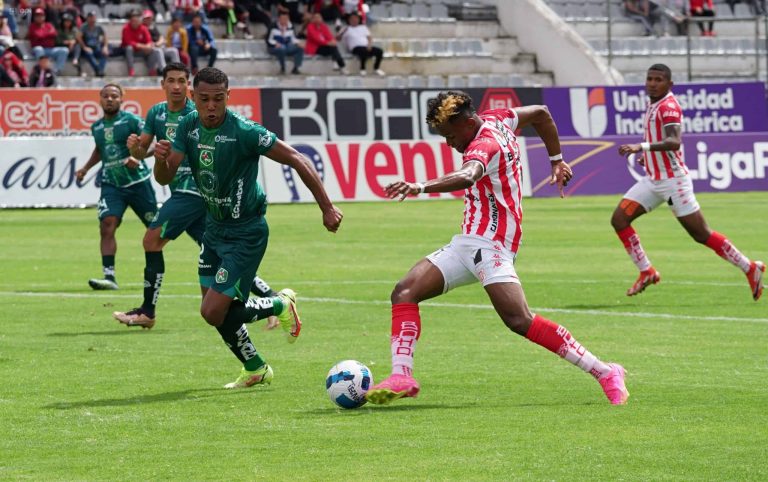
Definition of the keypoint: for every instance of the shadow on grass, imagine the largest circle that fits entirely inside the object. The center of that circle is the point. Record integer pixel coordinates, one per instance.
(190, 394)
(369, 409)
(126, 331)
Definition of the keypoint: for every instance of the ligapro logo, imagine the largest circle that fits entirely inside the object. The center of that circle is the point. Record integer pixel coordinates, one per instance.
(589, 113)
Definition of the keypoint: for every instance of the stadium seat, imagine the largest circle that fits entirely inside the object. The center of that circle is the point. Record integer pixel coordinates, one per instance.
(396, 82)
(314, 82)
(438, 11)
(420, 11)
(457, 82)
(90, 7)
(416, 82)
(401, 12)
(435, 82)
(477, 81)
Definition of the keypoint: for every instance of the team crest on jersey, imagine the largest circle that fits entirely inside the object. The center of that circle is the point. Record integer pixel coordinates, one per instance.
(206, 158)
(222, 275)
(109, 134)
(170, 132)
(265, 139)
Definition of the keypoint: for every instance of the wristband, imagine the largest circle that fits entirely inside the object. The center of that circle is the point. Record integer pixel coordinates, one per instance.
(556, 157)
(646, 146)
(421, 187)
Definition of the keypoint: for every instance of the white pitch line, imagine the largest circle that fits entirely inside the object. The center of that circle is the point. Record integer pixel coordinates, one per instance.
(377, 282)
(344, 301)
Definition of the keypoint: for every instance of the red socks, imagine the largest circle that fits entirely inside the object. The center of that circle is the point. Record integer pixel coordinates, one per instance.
(631, 242)
(406, 329)
(720, 245)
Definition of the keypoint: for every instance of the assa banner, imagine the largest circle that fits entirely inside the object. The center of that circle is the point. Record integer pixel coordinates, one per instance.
(359, 171)
(592, 112)
(37, 172)
(734, 162)
(368, 115)
(70, 112)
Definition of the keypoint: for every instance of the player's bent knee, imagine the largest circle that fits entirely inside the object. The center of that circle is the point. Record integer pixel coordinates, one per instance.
(152, 240)
(518, 323)
(403, 293)
(211, 315)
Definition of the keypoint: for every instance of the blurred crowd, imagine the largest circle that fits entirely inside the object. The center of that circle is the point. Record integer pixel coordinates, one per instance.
(62, 31)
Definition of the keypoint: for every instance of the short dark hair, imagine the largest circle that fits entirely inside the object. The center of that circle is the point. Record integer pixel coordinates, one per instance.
(663, 69)
(211, 75)
(448, 106)
(173, 66)
(112, 84)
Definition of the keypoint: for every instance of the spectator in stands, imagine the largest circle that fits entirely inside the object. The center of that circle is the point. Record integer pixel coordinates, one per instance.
(321, 41)
(201, 43)
(42, 73)
(642, 11)
(330, 10)
(156, 12)
(257, 11)
(10, 19)
(282, 43)
(14, 68)
(359, 6)
(55, 10)
(67, 37)
(187, 9)
(225, 10)
(138, 41)
(357, 38)
(170, 53)
(42, 38)
(704, 8)
(93, 45)
(6, 38)
(177, 37)
(757, 6)
(295, 8)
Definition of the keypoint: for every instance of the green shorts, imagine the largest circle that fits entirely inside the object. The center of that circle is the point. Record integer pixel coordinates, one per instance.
(140, 197)
(182, 212)
(231, 254)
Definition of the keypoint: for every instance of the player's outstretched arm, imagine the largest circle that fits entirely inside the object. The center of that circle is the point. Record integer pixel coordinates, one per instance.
(139, 145)
(671, 142)
(167, 162)
(541, 120)
(92, 161)
(285, 154)
(457, 180)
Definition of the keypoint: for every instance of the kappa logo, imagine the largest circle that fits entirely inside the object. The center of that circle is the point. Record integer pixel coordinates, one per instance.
(162, 116)
(195, 134)
(206, 158)
(589, 114)
(222, 275)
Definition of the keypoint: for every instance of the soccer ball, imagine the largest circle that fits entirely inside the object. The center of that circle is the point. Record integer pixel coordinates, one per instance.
(347, 383)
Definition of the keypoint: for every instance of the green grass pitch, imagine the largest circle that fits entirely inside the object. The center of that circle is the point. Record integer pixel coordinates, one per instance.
(85, 398)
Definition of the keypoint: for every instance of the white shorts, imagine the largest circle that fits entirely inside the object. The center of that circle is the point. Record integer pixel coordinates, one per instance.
(677, 192)
(468, 258)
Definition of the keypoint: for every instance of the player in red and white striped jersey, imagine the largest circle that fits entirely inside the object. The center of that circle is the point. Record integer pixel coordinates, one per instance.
(490, 237)
(667, 181)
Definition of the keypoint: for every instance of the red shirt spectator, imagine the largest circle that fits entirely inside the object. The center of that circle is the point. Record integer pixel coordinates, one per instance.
(135, 35)
(15, 68)
(318, 35)
(41, 33)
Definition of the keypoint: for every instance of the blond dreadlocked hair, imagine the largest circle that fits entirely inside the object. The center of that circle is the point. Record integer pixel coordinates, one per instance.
(448, 105)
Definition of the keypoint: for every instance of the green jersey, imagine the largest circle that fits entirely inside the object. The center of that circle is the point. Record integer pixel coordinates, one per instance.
(111, 136)
(225, 163)
(163, 124)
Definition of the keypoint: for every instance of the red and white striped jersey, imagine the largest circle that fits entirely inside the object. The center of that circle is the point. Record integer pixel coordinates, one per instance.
(663, 164)
(492, 206)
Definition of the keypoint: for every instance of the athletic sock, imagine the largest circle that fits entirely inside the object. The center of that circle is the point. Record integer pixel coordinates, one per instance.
(406, 329)
(260, 308)
(154, 270)
(235, 334)
(631, 242)
(261, 289)
(720, 245)
(557, 339)
(108, 266)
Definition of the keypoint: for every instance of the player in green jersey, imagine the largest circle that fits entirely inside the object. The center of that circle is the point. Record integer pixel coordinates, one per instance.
(125, 180)
(184, 211)
(223, 151)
